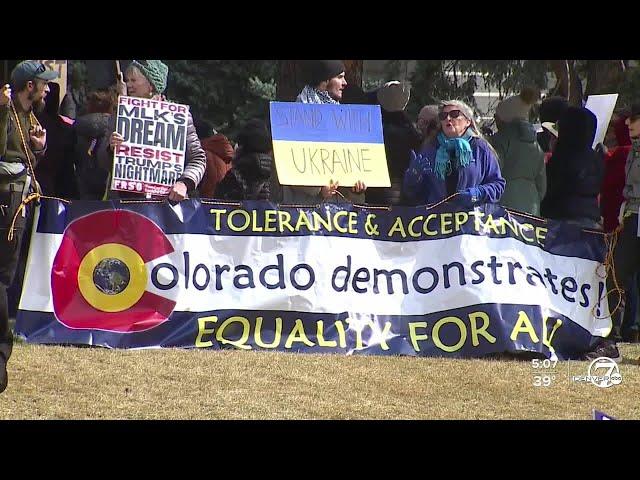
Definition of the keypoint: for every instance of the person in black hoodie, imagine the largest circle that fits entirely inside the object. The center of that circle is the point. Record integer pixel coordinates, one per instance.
(250, 174)
(575, 171)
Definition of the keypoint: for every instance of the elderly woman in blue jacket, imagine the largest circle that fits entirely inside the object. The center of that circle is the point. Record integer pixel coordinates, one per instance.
(459, 160)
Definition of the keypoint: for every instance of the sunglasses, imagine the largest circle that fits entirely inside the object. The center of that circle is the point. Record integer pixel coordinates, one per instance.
(453, 114)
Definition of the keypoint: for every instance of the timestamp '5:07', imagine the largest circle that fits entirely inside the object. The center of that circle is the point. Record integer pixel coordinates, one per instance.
(546, 363)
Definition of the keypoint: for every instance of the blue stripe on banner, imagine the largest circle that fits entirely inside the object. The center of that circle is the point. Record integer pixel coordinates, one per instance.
(469, 332)
(305, 122)
(401, 224)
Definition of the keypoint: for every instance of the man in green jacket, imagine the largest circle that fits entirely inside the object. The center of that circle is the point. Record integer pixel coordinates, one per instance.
(22, 141)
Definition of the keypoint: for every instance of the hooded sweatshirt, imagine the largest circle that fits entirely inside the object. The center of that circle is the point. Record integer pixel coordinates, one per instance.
(575, 171)
(522, 166)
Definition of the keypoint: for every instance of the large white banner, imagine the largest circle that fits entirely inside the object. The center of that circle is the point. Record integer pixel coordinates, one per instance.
(496, 280)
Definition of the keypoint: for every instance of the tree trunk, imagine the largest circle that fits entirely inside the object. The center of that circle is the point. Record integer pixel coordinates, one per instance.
(569, 84)
(290, 80)
(603, 76)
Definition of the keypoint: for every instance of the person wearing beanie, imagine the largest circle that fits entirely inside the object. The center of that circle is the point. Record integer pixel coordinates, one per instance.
(400, 138)
(249, 178)
(521, 158)
(325, 85)
(325, 82)
(517, 106)
(148, 79)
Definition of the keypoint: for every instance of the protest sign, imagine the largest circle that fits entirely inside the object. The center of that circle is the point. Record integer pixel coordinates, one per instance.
(151, 158)
(315, 144)
(60, 67)
(602, 107)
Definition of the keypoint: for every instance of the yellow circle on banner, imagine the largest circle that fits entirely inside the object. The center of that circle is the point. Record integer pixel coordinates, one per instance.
(132, 292)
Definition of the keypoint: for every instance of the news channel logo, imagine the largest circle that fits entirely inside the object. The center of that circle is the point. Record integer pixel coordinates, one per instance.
(603, 372)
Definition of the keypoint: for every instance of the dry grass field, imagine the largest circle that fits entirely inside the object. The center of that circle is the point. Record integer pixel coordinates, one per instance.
(54, 382)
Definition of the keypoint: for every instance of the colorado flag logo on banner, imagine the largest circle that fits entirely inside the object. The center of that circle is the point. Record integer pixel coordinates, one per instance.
(314, 144)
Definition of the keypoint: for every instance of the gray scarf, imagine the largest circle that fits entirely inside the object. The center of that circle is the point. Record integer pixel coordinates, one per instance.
(311, 95)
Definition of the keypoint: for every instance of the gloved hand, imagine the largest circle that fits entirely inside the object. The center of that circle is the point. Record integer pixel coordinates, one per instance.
(420, 163)
(469, 197)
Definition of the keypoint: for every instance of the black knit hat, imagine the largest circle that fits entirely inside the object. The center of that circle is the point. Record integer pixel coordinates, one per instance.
(633, 111)
(320, 70)
(255, 137)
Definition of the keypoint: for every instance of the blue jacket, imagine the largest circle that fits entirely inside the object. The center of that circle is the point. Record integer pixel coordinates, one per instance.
(421, 185)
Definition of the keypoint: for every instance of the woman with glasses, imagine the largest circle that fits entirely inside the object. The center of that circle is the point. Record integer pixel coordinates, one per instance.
(458, 161)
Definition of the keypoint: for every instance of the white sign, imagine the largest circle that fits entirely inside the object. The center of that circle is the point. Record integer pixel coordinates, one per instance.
(151, 158)
(60, 67)
(602, 107)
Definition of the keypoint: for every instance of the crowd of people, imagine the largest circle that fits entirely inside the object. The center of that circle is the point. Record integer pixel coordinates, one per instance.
(443, 156)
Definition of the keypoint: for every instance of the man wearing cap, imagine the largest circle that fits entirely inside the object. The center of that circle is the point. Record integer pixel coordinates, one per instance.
(22, 142)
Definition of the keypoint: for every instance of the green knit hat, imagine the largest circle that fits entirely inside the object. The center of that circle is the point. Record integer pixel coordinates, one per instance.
(155, 71)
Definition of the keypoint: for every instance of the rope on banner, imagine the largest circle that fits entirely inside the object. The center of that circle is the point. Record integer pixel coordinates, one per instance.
(611, 241)
(30, 198)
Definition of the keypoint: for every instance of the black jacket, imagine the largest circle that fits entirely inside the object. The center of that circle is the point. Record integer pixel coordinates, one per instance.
(575, 171)
(92, 132)
(248, 179)
(400, 137)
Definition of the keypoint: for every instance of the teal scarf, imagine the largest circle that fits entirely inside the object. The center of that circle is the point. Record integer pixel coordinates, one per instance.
(458, 147)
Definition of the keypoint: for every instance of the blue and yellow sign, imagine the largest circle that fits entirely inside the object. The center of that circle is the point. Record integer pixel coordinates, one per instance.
(315, 144)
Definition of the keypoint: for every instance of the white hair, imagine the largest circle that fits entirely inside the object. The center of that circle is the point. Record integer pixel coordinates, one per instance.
(467, 111)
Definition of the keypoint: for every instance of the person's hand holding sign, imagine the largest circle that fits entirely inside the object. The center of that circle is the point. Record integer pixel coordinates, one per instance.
(359, 187)
(115, 140)
(329, 190)
(178, 192)
(5, 95)
(38, 136)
